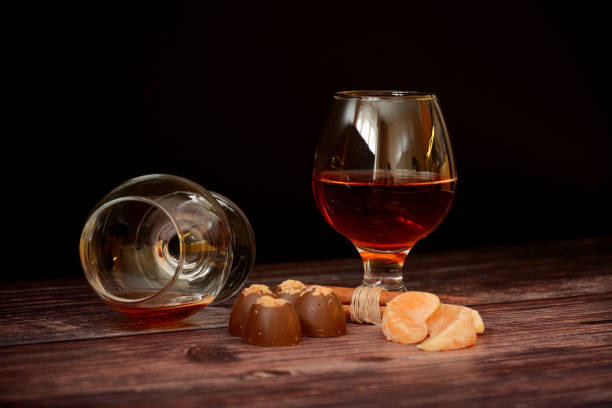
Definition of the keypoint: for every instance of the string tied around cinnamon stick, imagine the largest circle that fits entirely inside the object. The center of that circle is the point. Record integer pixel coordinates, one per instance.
(365, 305)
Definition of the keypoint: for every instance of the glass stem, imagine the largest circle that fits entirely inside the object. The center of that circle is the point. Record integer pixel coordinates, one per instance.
(383, 269)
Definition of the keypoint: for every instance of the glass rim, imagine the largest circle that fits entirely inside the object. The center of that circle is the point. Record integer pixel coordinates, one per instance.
(91, 222)
(385, 95)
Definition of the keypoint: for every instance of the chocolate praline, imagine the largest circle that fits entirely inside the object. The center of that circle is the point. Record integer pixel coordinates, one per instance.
(321, 313)
(242, 307)
(289, 290)
(272, 322)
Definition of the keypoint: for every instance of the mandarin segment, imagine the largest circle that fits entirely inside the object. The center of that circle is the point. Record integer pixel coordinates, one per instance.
(450, 327)
(478, 323)
(402, 329)
(405, 316)
(419, 305)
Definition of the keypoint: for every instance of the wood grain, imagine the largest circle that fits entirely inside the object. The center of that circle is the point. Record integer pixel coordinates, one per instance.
(558, 351)
(479, 276)
(548, 341)
(68, 309)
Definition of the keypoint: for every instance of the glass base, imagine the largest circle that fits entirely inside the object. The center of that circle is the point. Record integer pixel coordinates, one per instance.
(392, 283)
(383, 269)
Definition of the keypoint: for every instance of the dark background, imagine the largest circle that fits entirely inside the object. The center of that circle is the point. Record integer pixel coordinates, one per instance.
(234, 98)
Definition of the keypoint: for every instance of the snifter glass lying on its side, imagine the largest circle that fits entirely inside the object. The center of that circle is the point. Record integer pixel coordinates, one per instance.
(163, 247)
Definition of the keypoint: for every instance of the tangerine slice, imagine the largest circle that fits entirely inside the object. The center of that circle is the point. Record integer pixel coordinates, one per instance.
(405, 318)
(478, 323)
(451, 327)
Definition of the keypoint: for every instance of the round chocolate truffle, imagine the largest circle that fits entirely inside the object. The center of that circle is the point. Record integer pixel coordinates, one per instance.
(321, 313)
(242, 307)
(290, 290)
(272, 322)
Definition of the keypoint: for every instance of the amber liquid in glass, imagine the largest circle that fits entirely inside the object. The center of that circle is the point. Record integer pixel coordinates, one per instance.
(159, 313)
(383, 210)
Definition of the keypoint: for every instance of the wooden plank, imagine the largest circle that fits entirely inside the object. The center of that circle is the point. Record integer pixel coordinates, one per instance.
(533, 353)
(483, 275)
(66, 309)
(556, 351)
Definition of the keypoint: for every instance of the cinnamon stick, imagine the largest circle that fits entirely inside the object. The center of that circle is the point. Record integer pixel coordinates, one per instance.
(345, 294)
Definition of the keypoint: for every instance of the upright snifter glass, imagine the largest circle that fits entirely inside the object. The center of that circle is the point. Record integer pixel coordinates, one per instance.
(163, 247)
(384, 176)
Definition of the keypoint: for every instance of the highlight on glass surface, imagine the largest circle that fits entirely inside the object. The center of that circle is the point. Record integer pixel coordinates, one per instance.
(384, 176)
(163, 247)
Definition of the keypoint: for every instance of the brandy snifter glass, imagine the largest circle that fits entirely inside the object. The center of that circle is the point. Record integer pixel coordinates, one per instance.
(384, 176)
(163, 247)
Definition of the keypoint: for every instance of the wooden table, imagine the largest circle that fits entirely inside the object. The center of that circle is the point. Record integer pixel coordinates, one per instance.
(548, 342)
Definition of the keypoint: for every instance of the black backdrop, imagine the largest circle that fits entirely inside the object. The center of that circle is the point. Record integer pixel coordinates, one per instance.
(234, 97)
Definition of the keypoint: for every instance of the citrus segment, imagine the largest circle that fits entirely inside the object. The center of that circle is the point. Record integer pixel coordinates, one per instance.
(478, 323)
(450, 327)
(405, 316)
(419, 305)
(403, 329)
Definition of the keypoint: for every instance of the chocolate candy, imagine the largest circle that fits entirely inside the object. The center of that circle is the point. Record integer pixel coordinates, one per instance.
(242, 307)
(321, 313)
(272, 322)
(290, 290)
